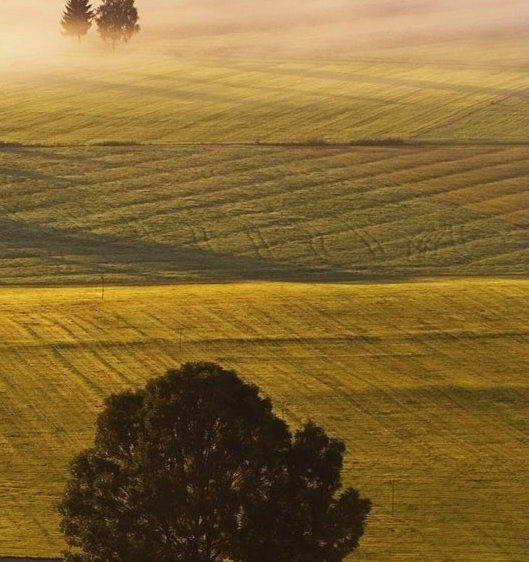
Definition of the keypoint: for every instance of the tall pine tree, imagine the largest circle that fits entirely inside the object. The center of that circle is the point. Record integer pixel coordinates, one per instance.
(117, 20)
(77, 18)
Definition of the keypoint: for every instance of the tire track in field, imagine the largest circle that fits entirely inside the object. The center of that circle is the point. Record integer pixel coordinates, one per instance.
(316, 245)
(370, 242)
(313, 182)
(430, 244)
(261, 248)
(441, 178)
(255, 242)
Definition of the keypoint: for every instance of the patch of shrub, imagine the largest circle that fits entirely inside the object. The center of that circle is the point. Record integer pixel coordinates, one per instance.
(384, 141)
(115, 143)
(10, 144)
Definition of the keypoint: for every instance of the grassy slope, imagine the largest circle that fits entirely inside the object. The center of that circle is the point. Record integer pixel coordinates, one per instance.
(150, 214)
(426, 382)
(165, 101)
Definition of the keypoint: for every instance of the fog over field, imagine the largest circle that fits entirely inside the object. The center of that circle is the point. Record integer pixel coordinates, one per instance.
(29, 29)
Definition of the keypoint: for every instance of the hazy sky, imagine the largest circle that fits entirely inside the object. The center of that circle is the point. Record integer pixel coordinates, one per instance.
(30, 27)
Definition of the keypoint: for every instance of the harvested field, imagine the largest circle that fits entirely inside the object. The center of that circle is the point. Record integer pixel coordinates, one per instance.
(426, 382)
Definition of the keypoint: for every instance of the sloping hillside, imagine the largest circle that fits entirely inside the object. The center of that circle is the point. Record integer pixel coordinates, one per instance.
(87, 98)
(147, 214)
(426, 383)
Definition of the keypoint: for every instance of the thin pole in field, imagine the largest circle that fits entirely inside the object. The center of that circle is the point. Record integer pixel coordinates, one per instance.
(392, 498)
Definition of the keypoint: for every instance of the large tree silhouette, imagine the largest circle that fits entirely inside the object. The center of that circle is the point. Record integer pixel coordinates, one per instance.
(117, 20)
(195, 467)
(77, 18)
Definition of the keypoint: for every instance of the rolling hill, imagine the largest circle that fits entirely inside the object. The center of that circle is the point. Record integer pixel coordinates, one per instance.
(146, 214)
(351, 235)
(89, 98)
(426, 383)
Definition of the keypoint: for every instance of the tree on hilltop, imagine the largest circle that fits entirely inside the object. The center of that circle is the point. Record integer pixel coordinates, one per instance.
(77, 18)
(195, 467)
(117, 20)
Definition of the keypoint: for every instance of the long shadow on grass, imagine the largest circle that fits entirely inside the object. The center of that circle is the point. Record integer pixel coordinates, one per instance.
(77, 255)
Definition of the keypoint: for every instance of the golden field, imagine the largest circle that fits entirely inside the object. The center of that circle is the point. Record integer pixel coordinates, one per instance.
(426, 382)
(100, 99)
(351, 234)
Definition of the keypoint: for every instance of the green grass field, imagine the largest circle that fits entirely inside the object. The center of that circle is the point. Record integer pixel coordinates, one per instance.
(149, 214)
(226, 100)
(426, 382)
(380, 290)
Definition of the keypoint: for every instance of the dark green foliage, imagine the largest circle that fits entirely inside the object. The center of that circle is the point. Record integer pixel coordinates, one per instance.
(305, 520)
(77, 18)
(117, 20)
(195, 467)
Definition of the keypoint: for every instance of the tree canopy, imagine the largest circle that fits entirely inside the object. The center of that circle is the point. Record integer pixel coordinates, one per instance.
(77, 18)
(117, 20)
(196, 467)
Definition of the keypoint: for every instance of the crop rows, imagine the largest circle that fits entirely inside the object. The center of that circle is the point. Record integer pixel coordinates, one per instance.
(143, 214)
(168, 100)
(148, 174)
(426, 382)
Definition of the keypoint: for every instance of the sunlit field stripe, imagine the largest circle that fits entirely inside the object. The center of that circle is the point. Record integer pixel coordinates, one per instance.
(426, 382)
(233, 101)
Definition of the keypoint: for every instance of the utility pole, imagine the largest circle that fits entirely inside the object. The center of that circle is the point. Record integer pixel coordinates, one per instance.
(102, 288)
